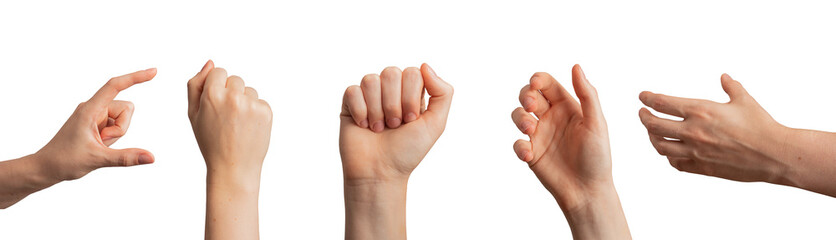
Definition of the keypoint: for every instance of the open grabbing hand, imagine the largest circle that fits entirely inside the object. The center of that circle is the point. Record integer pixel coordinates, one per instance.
(728, 140)
(569, 151)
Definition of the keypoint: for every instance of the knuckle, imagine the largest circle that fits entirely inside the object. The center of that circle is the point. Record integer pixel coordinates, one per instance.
(411, 70)
(661, 151)
(700, 111)
(391, 70)
(651, 125)
(702, 154)
(675, 164)
(593, 93)
(348, 93)
(657, 103)
(370, 81)
(697, 135)
(697, 154)
(392, 107)
(123, 160)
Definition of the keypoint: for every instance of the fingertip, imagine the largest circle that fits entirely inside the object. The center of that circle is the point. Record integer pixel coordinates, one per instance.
(377, 126)
(534, 81)
(145, 158)
(410, 117)
(644, 95)
(523, 150)
(429, 69)
(576, 69)
(726, 79)
(207, 66)
(393, 122)
(643, 113)
(151, 72)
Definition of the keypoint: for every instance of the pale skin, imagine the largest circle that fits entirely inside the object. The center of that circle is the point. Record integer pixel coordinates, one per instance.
(80, 146)
(569, 151)
(739, 140)
(384, 135)
(232, 127)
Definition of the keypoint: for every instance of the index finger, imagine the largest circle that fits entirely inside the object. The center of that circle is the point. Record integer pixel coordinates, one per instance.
(667, 104)
(115, 85)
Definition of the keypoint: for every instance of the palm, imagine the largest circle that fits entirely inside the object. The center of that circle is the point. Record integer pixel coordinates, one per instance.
(567, 149)
(367, 154)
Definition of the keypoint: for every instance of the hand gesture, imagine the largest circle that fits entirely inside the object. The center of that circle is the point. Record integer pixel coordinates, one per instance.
(82, 144)
(371, 150)
(569, 148)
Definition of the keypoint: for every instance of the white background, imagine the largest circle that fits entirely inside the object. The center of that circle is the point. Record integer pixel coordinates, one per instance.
(301, 57)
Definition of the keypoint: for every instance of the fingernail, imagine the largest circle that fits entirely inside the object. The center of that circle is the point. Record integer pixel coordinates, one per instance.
(524, 156)
(145, 159)
(528, 157)
(526, 127)
(364, 124)
(394, 122)
(151, 70)
(410, 117)
(205, 66)
(431, 70)
(528, 103)
(377, 126)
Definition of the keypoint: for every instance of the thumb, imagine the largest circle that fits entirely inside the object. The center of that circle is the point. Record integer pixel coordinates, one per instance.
(441, 96)
(128, 157)
(587, 94)
(195, 87)
(733, 88)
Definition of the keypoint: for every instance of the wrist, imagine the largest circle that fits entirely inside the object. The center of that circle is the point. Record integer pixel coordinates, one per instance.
(375, 190)
(587, 196)
(599, 215)
(233, 180)
(783, 149)
(375, 209)
(231, 204)
(38, 172)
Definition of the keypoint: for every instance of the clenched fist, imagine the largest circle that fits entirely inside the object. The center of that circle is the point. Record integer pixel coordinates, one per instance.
(371, 149)
(384, 133)
(232, 127)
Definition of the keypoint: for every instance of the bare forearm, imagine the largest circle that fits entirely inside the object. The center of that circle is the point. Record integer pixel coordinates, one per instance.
(811, 157)
(21, 177)
(600, 217)
(375, 209)
(231, 206)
